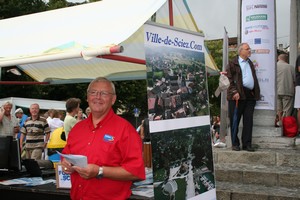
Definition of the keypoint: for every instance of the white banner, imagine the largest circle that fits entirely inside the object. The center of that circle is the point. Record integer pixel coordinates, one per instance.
(178, 110)
(258, 30)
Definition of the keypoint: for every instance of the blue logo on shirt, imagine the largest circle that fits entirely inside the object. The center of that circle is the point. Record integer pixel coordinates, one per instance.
(108, 138)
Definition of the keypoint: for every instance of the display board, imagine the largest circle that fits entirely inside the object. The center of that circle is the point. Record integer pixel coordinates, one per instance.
(178, 111)
(258, 30)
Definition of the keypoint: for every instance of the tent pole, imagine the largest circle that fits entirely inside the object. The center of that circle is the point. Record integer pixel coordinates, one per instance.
(124, 59)
(171, 13)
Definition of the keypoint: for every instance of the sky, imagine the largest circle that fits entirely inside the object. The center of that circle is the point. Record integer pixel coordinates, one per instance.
(212, 16)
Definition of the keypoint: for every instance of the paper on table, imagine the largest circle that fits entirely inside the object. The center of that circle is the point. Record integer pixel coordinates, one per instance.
(77, 160)
(33, 181)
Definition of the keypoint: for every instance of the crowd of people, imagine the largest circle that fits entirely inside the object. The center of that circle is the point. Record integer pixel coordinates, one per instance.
(34, 130)
(112, 145)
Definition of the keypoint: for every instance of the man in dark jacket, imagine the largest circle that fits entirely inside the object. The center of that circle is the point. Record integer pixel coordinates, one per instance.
(243, 92)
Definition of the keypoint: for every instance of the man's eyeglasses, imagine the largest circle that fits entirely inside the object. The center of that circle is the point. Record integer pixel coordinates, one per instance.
(101, 93)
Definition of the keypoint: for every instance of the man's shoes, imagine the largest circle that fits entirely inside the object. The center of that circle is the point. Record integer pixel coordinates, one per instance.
(220, 145)
(249, 148)
(236, 148)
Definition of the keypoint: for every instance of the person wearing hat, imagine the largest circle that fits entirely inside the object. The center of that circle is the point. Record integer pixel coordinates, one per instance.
(21, 117)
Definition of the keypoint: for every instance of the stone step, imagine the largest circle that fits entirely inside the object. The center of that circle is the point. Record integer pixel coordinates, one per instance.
(270, 176)
(237, 191)
(267, 157)
(272, 172)
(266, 137)
(274, 142)
(266, 174)
(263, 131)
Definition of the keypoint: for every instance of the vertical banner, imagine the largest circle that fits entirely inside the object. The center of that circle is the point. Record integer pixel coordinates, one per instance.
(178, 110)
(258, 30)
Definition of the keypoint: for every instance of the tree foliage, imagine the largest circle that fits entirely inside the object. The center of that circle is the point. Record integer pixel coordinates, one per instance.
(216, 49)
(14, 8)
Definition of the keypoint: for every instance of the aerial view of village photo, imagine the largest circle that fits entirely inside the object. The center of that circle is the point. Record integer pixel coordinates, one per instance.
(177, 86)
(182, 163)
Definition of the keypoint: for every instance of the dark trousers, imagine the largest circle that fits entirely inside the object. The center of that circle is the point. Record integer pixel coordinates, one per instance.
(245, 109)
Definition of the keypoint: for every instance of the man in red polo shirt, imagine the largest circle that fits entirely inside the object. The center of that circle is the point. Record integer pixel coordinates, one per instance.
(112, 146)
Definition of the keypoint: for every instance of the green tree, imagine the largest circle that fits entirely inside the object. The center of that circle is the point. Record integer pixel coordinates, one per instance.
(14, 8)
(216, 49)
(135, 96)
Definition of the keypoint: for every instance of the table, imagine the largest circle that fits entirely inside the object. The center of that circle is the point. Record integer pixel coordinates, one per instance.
(45, 192)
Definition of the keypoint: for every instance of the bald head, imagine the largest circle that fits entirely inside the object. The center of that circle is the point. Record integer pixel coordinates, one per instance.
(284, 57)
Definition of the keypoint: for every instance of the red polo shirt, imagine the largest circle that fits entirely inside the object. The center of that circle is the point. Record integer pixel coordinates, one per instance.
(114, 142)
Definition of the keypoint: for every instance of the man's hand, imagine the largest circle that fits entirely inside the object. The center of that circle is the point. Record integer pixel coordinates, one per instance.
(67, 167)
(90, 171)
(236, 96)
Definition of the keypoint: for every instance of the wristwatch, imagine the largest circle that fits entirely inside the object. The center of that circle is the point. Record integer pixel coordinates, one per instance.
(100, 173)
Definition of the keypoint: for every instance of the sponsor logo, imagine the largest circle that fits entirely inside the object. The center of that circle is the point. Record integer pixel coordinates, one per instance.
(108, 138)
(257, 40)
(256, 17)
(258, 6)
(262, 51)
(258, 26)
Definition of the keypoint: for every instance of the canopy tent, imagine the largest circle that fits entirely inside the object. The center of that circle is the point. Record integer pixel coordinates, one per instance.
(72, 44)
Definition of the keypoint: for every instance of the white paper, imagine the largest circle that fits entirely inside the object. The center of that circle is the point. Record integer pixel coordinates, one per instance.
(144, 190)
(77, 160)
(34, 181)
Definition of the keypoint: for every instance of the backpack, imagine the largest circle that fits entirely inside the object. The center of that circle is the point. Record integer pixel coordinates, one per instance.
(289, 126)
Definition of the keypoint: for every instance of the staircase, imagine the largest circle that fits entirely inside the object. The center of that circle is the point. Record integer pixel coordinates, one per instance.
(272, 172)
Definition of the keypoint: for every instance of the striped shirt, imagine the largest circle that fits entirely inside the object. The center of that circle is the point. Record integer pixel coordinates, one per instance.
(35, 130)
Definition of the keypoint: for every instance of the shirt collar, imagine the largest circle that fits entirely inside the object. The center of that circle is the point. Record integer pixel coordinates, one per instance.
(104, 120)
(242, 60)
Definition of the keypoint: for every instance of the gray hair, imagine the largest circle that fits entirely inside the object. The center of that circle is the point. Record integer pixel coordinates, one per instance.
(7, 103)
(102, 79)
(240, 47)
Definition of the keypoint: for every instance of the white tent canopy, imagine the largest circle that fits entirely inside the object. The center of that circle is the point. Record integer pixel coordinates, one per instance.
(50, 46)
(26, 102)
